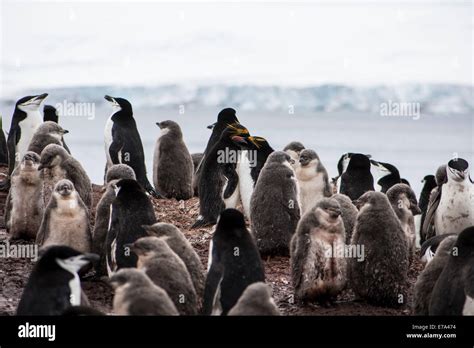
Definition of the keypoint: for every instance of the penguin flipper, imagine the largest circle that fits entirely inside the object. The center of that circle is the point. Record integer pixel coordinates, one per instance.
(13, 138)
(431, 245)
(232, 181)
(115, 148)
(214, 278)
(427, 230)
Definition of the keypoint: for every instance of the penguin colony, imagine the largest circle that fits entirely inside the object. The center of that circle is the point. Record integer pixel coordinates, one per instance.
(356, 231)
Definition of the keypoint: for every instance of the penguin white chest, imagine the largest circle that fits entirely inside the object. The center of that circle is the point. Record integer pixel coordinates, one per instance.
(246, 184)
(455, 211)
(28, 128)
(108, 138)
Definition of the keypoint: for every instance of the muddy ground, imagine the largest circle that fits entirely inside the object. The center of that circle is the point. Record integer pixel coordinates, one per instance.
(14, 272)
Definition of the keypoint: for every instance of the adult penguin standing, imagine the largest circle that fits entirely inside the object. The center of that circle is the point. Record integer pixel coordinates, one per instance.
(123, 143)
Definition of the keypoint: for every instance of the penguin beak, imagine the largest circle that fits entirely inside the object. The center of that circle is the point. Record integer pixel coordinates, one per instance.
(40, 167)
(211, 125)
(65, 131)
(239, 140)
(41, 97)
(159, 125)
(109, 98)
(334, 213)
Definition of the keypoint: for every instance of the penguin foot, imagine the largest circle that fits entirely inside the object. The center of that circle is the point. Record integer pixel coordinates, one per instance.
(201, 222)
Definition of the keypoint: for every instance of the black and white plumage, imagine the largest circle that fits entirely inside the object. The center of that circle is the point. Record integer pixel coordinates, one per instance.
(294, 149)
(25, 121)
(430, 246)
(452, 205)
(219, 180)
(234, 264)
(453, 293)
(225, 117)
(53, 285)
(130, 210)
(357, 178)
(123, 143)
(102, 213)
(3, 145)
(249, 167)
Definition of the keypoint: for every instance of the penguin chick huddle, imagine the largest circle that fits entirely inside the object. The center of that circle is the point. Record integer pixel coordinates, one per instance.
(358, 231)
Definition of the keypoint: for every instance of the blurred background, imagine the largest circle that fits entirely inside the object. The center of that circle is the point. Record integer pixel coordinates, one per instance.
(314, 71)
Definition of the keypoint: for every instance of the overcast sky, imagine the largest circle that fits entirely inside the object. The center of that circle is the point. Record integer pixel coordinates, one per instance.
(54, 44)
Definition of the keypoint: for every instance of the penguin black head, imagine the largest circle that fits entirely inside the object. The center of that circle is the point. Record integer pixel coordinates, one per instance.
(225, 116)
(429, 179)
(280, 157)
(295, 146)
(64, 187)
(30, 160)
(119, 104)
(458, 169)
(230, 219)
(170, 126)
(30, 103)
(120, 171)
(344, 161)
(60, 256)
(50, 114)
(306, 156)
(128, 186)
(359, 161)
(237, 134)
(52, 155)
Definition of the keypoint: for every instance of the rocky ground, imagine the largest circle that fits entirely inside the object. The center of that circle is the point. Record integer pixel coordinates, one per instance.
(14, 272)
